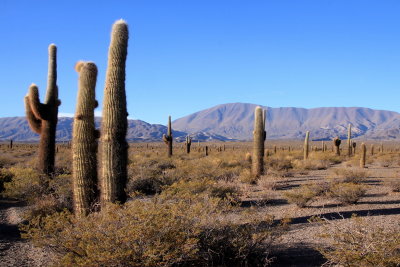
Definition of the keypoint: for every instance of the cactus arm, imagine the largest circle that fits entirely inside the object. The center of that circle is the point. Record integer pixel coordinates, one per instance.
(34, 123)
(37, 108)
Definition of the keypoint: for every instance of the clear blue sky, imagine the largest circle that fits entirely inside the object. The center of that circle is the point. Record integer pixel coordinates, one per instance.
(185, 56)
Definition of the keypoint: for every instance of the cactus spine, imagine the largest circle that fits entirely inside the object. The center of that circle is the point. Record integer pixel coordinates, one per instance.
(363, 155)
(306, 145)
(258, 142)
(42, 117)
(114, 148)
(349, 148)
(84, 145)
(336, 143)
(188, 143)
(168, 138)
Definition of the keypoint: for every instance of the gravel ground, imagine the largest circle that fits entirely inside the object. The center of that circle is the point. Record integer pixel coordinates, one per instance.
(15, 251)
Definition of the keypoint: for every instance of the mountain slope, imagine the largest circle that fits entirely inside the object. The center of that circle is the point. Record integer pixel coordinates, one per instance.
(235, 120)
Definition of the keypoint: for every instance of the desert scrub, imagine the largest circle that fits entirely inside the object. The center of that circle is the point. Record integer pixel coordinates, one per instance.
(5, 177)
(25, 184)
(188, 189)
(304, 194)
(347, 193)
(271, 182)
(162, 231)
(394, 184)
(348, 175)
(360, 242)
(311, 164)
(149, 177)
(330, 157)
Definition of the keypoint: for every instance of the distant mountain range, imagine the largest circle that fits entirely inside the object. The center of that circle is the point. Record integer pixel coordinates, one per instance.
(235, 122)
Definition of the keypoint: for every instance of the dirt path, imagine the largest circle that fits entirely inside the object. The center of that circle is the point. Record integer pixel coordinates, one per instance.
(15, 251)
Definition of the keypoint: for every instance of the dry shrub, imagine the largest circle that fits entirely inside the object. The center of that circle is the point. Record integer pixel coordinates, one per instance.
(311, 164)
(220, 190)
(360, 242)
(5, 177)
(300, 196)
(163, 231)
(349, 175)
(271, 182)
(279, 162)
(394, 184)
(247, 177)
(7, 161)
(25, 184)
(347, 193)
(325, 156)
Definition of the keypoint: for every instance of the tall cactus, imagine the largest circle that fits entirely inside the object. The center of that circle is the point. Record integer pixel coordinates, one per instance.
(372, 149)
(114, 148)
(188, 143)
(259, 136)
(349, 148)
(42, 117)
(84, 144)
(306, 145)
(336, 143)
(168, 138)
(363, 155)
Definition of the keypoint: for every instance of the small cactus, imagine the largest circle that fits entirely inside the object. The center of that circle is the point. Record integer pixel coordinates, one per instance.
(114, 148)
(188, 143)
(42, 117)
(247, 157)
(336, 143)
(84, 144)
(349, 148)
(259, 135)
(168, 139)
(354, 145)
(363, 155)
(306, 145)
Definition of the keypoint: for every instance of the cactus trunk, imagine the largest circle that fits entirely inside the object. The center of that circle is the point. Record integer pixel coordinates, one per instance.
(114, 148)
(336, 143)
(258, 142)
(349, 148)
(306, 145)
(43, 117)
(168, 139)
(363, 155)
(84, 145)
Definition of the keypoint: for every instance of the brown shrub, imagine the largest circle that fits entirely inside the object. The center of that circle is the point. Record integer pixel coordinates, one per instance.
(360, 242)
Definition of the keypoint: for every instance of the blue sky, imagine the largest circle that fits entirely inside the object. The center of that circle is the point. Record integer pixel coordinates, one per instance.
(185, 56)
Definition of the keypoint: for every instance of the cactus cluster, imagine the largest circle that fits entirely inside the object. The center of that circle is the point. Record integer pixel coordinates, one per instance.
(42, 117)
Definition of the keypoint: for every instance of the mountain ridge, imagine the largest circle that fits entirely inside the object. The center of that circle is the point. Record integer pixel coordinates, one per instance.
(234, 121)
